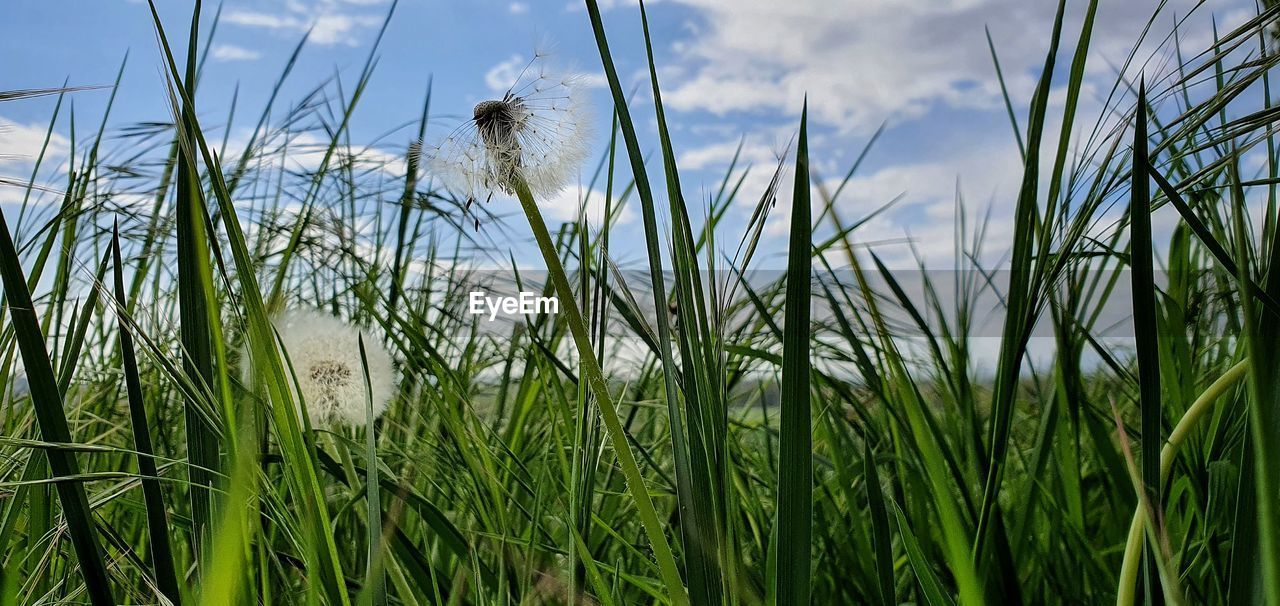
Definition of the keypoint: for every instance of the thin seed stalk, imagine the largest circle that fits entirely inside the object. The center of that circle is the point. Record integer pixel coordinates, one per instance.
(590, 369)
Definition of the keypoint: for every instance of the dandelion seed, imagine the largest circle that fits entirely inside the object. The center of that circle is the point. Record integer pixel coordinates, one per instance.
(325, 354)
(536, 133)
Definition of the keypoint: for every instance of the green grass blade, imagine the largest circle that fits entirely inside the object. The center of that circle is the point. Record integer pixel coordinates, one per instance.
(592, 372)
(407, 200)
(71, 354)
(297, 446)
(1145, 329)
(375, 589)
(47, 401)
(795, 440)
(680, 447)
(934, 594)
(1262, 332)
(1207, 238)
(162, 560)
(1018, 321)
(331, 150)
(1004, 93)
(703, 496)
(193, 309)
(880, 539)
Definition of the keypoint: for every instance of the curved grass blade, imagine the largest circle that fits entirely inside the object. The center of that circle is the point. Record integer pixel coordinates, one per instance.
(934, 595)
(71, 353)
(1004, 93)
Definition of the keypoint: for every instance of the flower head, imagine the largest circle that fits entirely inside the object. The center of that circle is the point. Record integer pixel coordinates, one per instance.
(536, 132)
(325, 355)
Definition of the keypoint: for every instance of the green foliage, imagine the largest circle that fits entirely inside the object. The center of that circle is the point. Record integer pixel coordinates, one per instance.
(154, 448)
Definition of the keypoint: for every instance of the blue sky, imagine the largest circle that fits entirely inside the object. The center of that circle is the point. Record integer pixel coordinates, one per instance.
(731, 70)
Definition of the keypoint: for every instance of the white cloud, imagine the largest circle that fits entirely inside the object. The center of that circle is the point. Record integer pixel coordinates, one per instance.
(335, 29)
(565, 205)
(231, 52)
(874, 61)
(987, 170)
(588, 80)
(257, 19)
(858, 65)
(304, 151)
(503, 75)
(605, 5)
(862, 63)
(721, 154)
(327, 20)
(518, 8)
(21, 143)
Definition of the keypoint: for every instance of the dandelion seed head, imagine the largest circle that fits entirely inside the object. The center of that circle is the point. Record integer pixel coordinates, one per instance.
(537, 132)
(325, 354)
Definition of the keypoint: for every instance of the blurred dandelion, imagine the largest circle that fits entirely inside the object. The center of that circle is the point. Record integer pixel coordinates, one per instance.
(537, 132)
(325, 354)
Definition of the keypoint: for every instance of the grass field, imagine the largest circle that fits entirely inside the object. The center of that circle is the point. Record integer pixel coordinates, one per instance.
(836, 433)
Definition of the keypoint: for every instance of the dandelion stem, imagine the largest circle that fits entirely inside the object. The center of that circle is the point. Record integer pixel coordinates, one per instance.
(1125, 593)
(590, 368)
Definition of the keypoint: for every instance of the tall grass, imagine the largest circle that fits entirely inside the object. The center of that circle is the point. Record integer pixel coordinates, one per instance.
(696, 430)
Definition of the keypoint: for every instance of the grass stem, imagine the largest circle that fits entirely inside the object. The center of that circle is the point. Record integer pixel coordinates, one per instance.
(590, 369)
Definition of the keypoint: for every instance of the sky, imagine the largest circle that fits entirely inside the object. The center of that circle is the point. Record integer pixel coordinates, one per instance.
(731, 71)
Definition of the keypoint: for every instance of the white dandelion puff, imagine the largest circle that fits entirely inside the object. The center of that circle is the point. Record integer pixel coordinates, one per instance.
(325, 355)
(536, 132)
